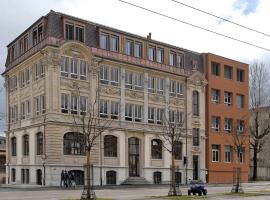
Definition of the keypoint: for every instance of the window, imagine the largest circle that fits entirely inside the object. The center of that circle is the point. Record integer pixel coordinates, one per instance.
(151, 53)
(227, 154)
(157, 177)
(39, 71)
(128, 80)
(64, 103)
(26, 145)
(73, 144)
(180, 61)
(74, 104)
(138, 81)
(215, 96)
(22, 78)
(215, 67)
(179, 89)
(42, 104)
(129, 47)
(74, 68)
(37, 105)
(151, 115)
(160, 115)
(13, 175)
(114, 43)
(79, 33)
(69, 32)
(28, 108)
(215, 153)
(111, 177)
(179, 118)
(13, 83)
(114, 110)
(27, 76)
(156, 149)
(103, 108)
(110, 146)
(13, 146)
(23, 110)
(138, 50)
(25, 43)
(215, 123)
(82, 70)
(227, 72)
(160, 85)
(195, 137)
(128, 112)
(138, 113)
(151, 84)
(173, 59)
(104, 75)
(240, 101)
(195, 103)
(104, 41)
(82, 105)
(40, 32)
(240, 75)
(240, 154)
(171, 116)
(240, 126)
(39, 143)
(172, 88)
(227, 98)
(177, 150)
(160, 55)
(227, 125)
(21, 46)
(114, 76)
(35, 36)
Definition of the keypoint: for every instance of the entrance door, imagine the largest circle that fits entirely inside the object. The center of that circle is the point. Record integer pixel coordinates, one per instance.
(133, 156)
(39, 177)
(195, 167)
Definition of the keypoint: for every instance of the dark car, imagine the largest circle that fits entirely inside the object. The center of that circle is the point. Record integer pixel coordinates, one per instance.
(197, 187)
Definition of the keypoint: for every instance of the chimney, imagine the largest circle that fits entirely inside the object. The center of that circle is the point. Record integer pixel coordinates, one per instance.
(149, 36)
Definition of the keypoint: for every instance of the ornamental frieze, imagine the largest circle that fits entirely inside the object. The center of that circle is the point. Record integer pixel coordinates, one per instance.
(156, 98)
(109, 90)
(134, 94)
(177, 102)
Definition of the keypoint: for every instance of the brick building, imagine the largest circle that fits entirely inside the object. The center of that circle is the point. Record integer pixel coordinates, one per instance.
(226, 115)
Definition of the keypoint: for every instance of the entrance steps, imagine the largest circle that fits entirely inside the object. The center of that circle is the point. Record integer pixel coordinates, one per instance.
(135, 181)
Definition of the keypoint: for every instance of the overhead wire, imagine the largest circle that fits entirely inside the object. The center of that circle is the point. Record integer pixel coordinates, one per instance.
(224, 19)
(193, 25)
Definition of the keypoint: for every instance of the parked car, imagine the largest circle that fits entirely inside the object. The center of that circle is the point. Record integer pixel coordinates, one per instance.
(197, 187)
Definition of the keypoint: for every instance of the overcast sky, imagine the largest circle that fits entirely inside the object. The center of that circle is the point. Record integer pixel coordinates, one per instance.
(16, 16)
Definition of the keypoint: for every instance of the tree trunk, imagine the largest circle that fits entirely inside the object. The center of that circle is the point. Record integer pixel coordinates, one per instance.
(173, 176)
(88, 181)
(255, 163)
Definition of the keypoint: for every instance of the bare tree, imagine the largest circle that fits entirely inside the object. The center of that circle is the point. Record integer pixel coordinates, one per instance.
(259, 91)
(172, 135)
(91, 126)
(239, 140)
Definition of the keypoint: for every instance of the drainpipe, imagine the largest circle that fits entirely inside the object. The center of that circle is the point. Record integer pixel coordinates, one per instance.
(186, 133)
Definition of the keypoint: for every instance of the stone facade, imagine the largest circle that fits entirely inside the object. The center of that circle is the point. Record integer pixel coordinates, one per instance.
(36, 104)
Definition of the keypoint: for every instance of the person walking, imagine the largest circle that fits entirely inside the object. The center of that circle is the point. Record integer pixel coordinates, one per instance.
(62, 178)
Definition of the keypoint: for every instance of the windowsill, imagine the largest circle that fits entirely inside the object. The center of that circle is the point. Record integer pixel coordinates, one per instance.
(77, 79)
(110, 157)
(227, 162)
(72, 155)
(215, 161)
(157, 159)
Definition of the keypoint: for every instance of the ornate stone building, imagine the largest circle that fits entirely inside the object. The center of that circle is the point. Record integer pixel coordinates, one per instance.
(53, 71)
(2, 159)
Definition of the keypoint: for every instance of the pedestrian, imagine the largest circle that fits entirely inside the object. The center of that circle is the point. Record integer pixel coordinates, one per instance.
(69, 179)
(73, 183)
(65, 179)
(62, 178)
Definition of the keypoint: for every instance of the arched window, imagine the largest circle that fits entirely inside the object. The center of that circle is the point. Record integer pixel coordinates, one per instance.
(156, 149)
(195, 103)
(110, 177)
(39, 143)
(26, 145)
(178, 150)
(74, 144)
(110, 146)
(13, 146)
(157, 177)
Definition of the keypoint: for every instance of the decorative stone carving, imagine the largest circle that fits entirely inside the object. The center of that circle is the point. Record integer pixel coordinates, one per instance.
(109, 90)
(176, 101)
(134, 94)
(157, 98)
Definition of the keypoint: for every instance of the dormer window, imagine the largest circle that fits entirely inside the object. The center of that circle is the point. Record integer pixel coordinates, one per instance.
(74, 32)
(35, 36)
(40, 32)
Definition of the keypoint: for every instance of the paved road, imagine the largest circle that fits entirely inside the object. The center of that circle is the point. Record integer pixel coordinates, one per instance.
(124, 193)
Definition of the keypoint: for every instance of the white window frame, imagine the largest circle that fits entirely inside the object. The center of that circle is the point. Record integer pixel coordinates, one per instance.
(37, 105)
(27, 76)
(151, 115)
(83, 70)
(151, 84)
(180, 89)
(104, 41)
(114, 41)
(227, 154)
(115, 76)
(215, 123)
(103, 108)
(138, 113)
(104, 74)
(160, 55)
(74, 104)
(227, 98)
(228, 125)
(151, 53)
(215, 94)
(74, 68)
(172, 88)
(160, 113)
(115, 110)
(64, 103)
(160, 85)
(240, 126)
(215, 154)
(129, 47)
(138, 81)
(128, 80)
(128, 112)
(83, 105)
